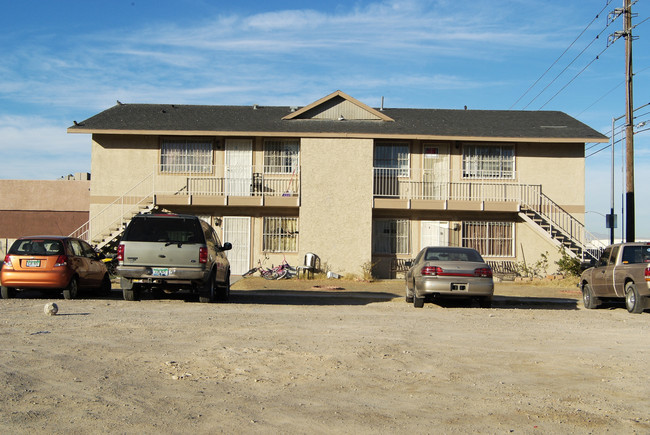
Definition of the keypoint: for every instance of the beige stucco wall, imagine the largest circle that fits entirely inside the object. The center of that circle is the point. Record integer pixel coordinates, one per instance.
(336, 202)
(119, 162)
(562, 175)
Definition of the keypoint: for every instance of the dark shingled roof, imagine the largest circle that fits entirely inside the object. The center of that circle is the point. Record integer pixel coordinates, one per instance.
(530, 125)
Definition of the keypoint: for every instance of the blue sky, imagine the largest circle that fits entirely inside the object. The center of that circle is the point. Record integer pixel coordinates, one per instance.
(68, 60)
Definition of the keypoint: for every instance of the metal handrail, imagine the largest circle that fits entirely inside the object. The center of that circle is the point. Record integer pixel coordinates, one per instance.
(113, 216)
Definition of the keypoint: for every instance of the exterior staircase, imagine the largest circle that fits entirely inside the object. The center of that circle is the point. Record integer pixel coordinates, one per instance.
(105, 228)
(543, 214)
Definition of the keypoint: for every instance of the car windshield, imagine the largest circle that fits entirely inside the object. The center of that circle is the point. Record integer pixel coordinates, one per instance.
(37, 247)
(445, 254)
(168, 230)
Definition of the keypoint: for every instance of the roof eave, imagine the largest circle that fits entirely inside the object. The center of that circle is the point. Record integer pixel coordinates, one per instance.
(350, 135)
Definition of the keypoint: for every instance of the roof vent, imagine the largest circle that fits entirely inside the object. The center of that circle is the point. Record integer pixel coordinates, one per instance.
(294, 108)
(256, 106)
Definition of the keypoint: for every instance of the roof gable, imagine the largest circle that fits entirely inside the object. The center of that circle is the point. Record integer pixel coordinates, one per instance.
(338, 106)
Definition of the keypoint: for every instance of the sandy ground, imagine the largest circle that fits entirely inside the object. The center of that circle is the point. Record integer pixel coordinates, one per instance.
(283, 357)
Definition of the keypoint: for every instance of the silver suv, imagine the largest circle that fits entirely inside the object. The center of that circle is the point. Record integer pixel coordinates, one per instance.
(173, 252)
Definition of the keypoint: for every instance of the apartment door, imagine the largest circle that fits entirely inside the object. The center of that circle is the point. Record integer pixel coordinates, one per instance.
(435, 171)
(434, 233)
(237, 230)
(239, 167)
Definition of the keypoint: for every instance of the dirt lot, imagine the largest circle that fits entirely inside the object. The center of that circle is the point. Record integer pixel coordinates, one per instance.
(282, 357)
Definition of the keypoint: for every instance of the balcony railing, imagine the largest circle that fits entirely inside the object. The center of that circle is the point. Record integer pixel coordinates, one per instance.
(227, 181)
(434, 185)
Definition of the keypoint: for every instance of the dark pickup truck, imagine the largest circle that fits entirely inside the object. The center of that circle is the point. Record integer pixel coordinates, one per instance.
(623, 271)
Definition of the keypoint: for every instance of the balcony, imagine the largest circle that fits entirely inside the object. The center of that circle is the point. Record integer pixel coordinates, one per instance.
(431, 190)
(227, 186)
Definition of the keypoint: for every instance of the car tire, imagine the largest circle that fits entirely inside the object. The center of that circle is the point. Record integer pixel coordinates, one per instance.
(132, 294)
(7, 292)
(223, 292)
(588, 299)
(634, 303)
(417, 302)
(70, 292)
(105, 287)
(207, 292)
(409, 296)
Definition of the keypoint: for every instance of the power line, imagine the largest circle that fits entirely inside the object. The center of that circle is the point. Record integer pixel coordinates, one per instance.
(562, 55)
(574, 77)
(610, 91)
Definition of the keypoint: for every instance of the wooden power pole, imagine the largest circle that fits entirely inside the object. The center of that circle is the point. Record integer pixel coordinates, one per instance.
(629, 126)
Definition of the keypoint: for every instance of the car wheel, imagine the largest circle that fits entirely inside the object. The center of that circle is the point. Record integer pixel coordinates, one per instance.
(485, 302)
(588, 299)
(417, 301)
(409, 295)
(70, 292)
(206, 294)
(131, 294)
(8, 292)
(105, 287)
(223, 293)
(633, 301)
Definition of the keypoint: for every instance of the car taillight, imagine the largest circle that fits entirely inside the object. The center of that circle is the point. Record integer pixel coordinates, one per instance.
(120, 253)
(431, 270)
(484, 272)
(61, 260)
(647, 273)
(203, 254)
(7, 263)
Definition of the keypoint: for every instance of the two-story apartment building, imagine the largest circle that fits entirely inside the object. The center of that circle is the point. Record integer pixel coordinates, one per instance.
(355, 185)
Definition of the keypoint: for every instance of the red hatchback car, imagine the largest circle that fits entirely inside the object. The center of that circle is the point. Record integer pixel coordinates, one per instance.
(53, 263)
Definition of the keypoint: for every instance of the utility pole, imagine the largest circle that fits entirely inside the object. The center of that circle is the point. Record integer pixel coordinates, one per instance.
(629, 125)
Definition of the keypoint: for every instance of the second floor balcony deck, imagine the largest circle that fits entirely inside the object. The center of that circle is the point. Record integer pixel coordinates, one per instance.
(428, 189)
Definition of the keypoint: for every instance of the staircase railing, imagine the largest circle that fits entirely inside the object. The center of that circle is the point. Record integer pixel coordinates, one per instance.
(118, 212)
(557, 218)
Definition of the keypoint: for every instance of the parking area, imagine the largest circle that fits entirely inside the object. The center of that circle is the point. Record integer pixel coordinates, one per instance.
(324, 360)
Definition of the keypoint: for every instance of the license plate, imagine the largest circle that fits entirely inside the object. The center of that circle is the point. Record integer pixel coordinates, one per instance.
(32, 263)
(459, 287)
(160, 271)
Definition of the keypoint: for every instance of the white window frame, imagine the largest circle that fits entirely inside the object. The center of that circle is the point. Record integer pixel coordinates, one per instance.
(281, 156)
(279, 234)
(392, 236)
(186, 156)
(490, 239)
(393, 156)
(489, 161)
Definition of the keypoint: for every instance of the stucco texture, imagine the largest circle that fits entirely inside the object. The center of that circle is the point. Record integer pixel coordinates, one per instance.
(336, 202)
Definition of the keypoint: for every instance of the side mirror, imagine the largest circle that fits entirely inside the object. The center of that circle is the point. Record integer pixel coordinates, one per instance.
(592, 262)
(226, 246)
(408, 263)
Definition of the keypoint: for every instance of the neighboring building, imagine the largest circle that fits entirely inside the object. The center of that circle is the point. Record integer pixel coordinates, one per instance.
(47, 207)
(354, 185)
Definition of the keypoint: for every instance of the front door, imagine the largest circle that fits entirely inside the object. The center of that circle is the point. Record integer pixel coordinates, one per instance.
(435, 168)
(237, 230)
(239, 167)
(434, 233)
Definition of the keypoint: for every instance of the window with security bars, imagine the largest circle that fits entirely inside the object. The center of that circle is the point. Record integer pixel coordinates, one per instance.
(280, 156)
(488, 161)
(393, 158)
(280, 234)
(185, 156)
(391, 236)
(491, 239)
